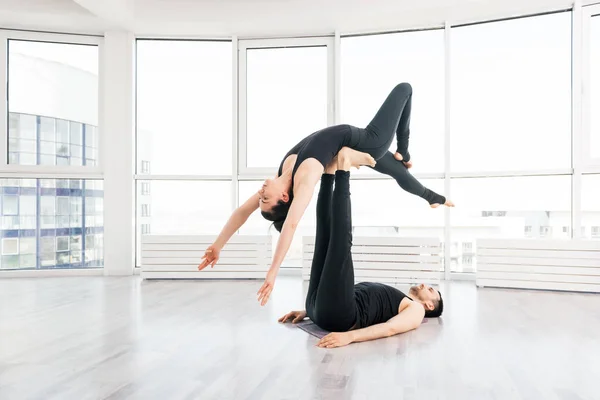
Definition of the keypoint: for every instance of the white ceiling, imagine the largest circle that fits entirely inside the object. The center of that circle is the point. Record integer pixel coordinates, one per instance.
(218, 18)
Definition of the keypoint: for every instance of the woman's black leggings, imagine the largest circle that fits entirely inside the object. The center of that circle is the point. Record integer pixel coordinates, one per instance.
(392, 118)
(330, 298)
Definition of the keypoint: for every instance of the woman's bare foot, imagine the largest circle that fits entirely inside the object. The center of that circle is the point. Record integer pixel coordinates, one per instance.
(448, 203)
(348, 157)
(332, 166)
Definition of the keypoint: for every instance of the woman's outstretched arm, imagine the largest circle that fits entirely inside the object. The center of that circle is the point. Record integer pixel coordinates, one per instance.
(235, 222)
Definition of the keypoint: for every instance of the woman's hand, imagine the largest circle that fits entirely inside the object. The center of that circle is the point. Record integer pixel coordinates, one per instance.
(211, 256)
(335, 339)
(265, 290)
(296, 315)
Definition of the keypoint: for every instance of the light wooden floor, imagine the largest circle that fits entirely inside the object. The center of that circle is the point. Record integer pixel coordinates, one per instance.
(123, 338)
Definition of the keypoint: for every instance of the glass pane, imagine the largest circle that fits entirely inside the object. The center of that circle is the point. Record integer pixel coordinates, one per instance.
(184, 95)
(25, 126)
(507, 208)
(27, 205)
(286, 100)
(57, 84)
(415, 57)
(595, 86)
(511, 94)
(10, 246)
(48, 204)
(27, 245)
(47, 129)
(60, 217)
(10, 205)
(62, 205)
(62, 131)
(590, 207)
(62, 244)
(76, 131)
(28, 261)
(10, 262)
(48, 148)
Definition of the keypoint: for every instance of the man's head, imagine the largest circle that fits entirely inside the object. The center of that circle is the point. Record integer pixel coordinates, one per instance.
(430, 298)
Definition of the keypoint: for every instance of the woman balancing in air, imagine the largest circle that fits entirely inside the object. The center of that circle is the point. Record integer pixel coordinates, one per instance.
(284, 199)
(353, 313)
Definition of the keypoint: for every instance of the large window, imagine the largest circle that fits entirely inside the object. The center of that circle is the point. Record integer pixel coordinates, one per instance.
(53, 103)
(511, 95)
(52, 223)
(286, 97)
(515, 207)
(184, 107)
(590, 207)
(372, 65)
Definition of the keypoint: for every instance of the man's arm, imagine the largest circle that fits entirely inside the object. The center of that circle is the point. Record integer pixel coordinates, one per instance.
(408, 319)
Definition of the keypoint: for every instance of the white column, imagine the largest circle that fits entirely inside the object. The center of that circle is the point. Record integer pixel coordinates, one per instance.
(118, 152)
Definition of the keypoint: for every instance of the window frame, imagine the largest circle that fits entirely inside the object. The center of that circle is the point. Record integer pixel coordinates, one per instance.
(34, 171)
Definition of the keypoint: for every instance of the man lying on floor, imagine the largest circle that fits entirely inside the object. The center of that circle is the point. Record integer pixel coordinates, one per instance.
(354, 313)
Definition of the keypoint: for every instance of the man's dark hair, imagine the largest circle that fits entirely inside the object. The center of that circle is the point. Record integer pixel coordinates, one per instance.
(438, 308)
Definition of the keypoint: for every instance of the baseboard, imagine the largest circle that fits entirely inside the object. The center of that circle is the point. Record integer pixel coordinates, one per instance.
(51, 273)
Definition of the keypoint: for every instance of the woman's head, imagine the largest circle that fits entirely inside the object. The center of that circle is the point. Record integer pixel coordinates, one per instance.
(275, 201)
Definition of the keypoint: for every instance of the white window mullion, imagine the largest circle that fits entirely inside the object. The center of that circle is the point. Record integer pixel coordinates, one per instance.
(235, 124)
(337, 78)
(447, 186)
(242, 109)
(579, 76)
(4, 101)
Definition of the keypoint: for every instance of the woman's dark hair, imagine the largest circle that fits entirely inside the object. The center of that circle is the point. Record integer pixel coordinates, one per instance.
(278, 213)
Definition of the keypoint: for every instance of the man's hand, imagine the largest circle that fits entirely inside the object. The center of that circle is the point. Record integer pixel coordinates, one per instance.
(211, 256)
(296, 315)
(335, 339)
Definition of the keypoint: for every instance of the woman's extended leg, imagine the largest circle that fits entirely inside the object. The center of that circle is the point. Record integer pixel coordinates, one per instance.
(335, 308)
(388, 165)
(392, 118)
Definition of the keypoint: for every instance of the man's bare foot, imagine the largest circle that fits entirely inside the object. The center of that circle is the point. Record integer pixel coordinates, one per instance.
(348, 157)
(399, 157)
(332, 166)
(448, 203)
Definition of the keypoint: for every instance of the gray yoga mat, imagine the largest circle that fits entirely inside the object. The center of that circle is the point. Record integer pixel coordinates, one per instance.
(313, 329)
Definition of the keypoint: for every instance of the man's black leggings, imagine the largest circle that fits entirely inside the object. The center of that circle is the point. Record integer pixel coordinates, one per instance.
(392, 118)
(330, 299)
